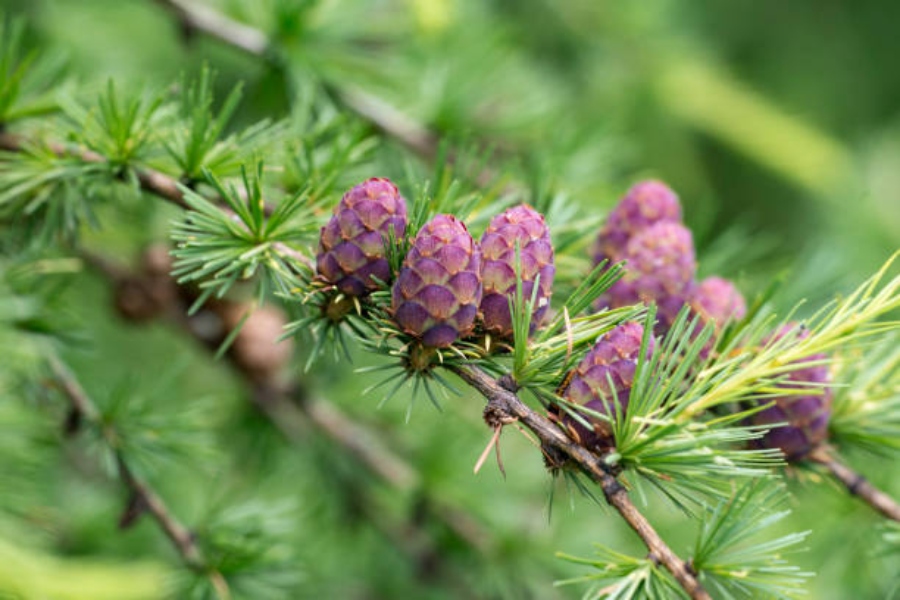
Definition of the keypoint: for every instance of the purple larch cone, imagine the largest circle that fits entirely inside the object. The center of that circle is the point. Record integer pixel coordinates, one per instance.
(525, 227)
(718, 300)
(645, 204)
(438, 290)
(604, 377)
(660, 268)
(806, 414)
(351, 251)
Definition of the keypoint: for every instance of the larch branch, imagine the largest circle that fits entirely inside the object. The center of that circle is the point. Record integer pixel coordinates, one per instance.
(143, 495)
(383, 116)
(504, 406)
(197, 17)
(856, 484)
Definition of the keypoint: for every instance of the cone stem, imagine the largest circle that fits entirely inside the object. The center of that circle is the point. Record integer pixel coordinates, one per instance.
(857, 485)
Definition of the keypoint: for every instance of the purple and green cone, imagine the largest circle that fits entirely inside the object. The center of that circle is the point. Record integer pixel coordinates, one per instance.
(351, 245)
(524, 226)
(645, 204)
(660, 268)
(605, 375)
(806, 414)
(437, 293)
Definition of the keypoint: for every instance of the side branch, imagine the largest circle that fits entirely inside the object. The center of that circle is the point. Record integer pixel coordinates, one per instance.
(504, 405)
(196, 17)
(143, 497)
(857, 485)
(154, 182)
(151, 181)
(387, 119)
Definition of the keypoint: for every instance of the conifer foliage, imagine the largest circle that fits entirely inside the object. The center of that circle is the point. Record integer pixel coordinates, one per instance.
(191, 422)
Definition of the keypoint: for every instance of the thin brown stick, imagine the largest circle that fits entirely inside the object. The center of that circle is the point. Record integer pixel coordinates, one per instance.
(856, 484)
(151, 181)
(142, 494)
(505, 406)
(197, 17)
(355, 438)
(386, 118)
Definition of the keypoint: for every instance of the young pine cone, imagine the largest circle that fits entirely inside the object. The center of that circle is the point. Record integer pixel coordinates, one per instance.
(525, 227)
(718, 300)
(437, 293)
(604, 376)
(806, 415)
(660, 269)
(645, 204)
(351, 246)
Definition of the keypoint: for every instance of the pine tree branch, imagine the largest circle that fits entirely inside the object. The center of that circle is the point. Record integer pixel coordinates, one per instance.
(505, 407)
(154, 182)
(151, 181)
(856, 484)
(290, 410)
(387, 119)
(142, 495)
(197, 17)
(294, 413)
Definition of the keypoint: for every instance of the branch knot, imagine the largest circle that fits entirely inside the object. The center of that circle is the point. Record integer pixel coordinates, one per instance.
(497, 416)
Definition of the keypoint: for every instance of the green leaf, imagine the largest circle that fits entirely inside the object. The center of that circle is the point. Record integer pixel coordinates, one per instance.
(732, 564)
(866, 409)
(623, 577)
(222, 245)
(121, 127)
(26, 78)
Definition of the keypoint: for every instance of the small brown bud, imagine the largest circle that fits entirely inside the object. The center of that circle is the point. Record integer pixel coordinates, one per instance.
(256, 349)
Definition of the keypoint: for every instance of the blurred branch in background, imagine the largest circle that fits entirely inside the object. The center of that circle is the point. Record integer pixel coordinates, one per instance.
(382, 115)
(197, 17)
(857, 485)
(292, 411)
(193, 16)
(143, 498)
(727, 110)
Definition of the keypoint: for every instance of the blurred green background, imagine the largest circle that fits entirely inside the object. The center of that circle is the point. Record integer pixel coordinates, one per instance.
(777, 123)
